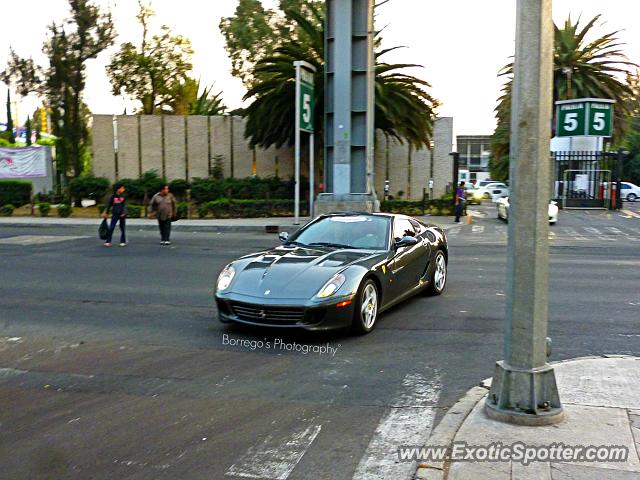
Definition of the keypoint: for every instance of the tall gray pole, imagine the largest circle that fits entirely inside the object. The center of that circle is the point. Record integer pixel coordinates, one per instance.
(524, 387)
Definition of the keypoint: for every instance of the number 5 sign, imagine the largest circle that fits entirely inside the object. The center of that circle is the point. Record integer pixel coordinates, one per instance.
(305, 98)
(584, 117)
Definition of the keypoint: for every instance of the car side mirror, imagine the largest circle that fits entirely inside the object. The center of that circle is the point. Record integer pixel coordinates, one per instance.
(407, 241)
(284, 236)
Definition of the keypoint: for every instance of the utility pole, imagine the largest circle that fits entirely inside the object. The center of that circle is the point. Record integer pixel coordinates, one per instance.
(524, 389)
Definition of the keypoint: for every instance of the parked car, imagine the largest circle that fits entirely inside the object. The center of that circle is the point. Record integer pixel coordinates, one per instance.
(502, 205)
(493, 191)
(470, 191)
(339, 270)
(629, 191)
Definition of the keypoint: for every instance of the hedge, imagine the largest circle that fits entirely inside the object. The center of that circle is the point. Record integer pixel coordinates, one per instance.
(15, 192)
(208, 189)
(89, 186)
(437, 206)
(231, 208)
(44, 208)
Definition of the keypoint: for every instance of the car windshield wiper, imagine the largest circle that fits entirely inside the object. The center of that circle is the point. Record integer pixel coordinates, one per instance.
(329, 244)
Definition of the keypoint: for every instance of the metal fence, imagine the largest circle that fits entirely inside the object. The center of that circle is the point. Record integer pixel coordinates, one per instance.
(587, 179)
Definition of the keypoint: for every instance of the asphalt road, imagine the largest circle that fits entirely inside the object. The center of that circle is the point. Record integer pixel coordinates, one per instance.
(112, 364)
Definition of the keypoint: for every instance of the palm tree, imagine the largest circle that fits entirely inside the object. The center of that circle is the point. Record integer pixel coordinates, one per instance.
(581, 69)
(404, 110)
(186, 101)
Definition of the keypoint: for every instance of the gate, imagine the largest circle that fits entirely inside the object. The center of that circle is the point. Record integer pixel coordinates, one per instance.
(587, 179)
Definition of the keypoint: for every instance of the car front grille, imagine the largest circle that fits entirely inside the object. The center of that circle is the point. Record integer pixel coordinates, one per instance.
(272, 315)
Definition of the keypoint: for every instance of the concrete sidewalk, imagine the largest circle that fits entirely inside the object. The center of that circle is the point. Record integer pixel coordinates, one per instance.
(601, 398)
(255, 225)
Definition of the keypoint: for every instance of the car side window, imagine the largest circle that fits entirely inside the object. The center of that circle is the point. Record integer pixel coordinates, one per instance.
(416, 226)
(402, 228)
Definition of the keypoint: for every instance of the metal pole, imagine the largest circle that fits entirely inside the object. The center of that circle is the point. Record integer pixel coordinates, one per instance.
(296, 201)
(311, 173)
(524, 389)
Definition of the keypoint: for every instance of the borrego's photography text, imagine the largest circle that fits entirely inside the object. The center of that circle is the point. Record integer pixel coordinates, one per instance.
(320, 239)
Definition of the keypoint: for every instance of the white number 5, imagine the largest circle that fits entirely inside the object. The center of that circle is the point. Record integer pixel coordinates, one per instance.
(598, 121)
(570, 122)
(306, 107)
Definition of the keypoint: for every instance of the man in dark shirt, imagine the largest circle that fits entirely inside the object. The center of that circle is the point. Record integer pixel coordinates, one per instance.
(118, 210)
(459, 201)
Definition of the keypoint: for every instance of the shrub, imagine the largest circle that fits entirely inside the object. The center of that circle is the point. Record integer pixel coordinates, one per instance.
(89, 186)
(227, 208)
(183, 209)
(101, 208)
(203, 210)
(6, 210)
(134, 211)
(15, 192)
(252, 188)
(135, 188)
(64, 210)
(179, 187)
(44, 208)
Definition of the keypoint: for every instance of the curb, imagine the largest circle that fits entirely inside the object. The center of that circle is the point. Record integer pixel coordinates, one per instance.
(445, 432)
(176, 227)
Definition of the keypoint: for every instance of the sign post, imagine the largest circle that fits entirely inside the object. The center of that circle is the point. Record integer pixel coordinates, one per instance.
(305, 105)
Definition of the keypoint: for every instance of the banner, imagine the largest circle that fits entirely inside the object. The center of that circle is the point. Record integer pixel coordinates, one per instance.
(23, 162)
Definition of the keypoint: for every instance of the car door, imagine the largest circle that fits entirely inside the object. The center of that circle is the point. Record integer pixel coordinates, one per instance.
(408, 263)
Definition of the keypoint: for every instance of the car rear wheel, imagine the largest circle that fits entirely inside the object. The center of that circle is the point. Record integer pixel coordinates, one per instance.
(486, 195)
(632, 197)
(366, 311)
(439, 275)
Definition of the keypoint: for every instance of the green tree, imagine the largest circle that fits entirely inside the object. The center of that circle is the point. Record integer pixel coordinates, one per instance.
(154, 71)
(581, 68)
(28, 128)
(188, 99)
(69, 46)
(253, 32)
(404, 110)
(9, 136)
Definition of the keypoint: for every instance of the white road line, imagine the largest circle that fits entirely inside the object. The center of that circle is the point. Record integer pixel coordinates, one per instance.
(407, 422)
(452, 232)
(617, 231)
(273, 459)
(592, 230)
(477, 229)
(572, 233)
(37, 239)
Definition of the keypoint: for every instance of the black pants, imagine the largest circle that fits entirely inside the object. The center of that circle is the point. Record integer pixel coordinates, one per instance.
(458, 211)
(165, 229)
(112, 226)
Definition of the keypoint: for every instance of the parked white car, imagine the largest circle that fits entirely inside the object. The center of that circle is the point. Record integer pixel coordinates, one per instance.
(493, 191)
(502, 206)
(629, 191)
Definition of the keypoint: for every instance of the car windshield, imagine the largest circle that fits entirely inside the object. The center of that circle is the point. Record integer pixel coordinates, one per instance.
(369, 232)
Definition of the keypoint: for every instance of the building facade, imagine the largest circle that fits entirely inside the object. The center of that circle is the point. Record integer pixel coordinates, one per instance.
(474, 153)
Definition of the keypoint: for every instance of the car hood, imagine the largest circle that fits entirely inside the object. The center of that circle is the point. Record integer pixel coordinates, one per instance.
(295, 272)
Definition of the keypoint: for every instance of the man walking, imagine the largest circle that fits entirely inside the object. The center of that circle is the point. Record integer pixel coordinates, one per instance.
(163, 204)
(459, 201)
(117, 208)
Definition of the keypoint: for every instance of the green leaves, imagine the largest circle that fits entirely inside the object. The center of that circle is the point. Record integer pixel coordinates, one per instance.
(154, 72)
(404, 109)
(582, 68)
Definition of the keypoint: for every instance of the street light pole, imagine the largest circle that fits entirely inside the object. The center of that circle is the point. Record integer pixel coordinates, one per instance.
(524, 389)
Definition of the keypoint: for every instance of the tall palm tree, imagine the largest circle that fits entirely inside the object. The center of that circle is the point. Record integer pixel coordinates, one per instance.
(403, 110)
(581, 69)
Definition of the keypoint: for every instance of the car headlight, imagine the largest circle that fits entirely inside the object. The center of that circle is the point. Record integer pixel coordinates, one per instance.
(332, 286)
(224, 280)
(477, 195)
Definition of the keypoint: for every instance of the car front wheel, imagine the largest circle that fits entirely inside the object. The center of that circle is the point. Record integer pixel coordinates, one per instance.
(366, 311)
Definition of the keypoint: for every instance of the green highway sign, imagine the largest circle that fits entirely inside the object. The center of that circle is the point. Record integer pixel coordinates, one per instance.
(306, 101)
(584, 117)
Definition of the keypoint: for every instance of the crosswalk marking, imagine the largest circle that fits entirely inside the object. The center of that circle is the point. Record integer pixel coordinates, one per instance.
(25, 240)
(477, 229)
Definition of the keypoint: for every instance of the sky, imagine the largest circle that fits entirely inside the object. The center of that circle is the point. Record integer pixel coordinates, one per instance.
(461, 44)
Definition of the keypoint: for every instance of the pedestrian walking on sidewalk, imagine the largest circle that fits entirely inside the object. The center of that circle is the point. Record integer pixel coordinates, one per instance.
(459, 201)
(163, 204)
(117, 208)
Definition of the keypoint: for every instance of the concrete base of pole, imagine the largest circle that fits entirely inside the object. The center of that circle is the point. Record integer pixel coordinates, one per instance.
(346, 202)
(524, 397)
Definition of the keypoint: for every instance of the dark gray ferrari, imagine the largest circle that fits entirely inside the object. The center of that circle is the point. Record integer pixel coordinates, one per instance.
(339, 270)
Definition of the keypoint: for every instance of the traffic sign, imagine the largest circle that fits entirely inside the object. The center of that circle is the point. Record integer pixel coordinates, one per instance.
(584, 117)
(306, 100)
